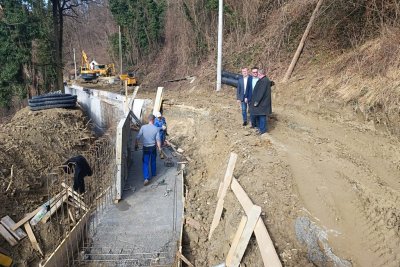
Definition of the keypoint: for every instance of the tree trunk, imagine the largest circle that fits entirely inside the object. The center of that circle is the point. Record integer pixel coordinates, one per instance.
(57, 28)
(301, 45)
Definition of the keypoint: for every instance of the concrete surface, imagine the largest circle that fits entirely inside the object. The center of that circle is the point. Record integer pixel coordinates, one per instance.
(143, 229)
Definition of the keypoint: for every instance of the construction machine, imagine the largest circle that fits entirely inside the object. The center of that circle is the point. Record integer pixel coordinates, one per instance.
(87, 73)
(104, 70)
(130, 77)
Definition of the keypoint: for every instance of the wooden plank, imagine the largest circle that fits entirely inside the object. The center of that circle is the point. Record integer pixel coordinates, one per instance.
(220, 189)
(220, 203)
(184, 259)
(158, 100)
(44, 208)
(8, 223)
(71, 216)
(267, 249)
(54, 208)
(235, 241)
(6, 234)
(26, 218)
(253, 217)
(32, 238)
(77, 201)
(71, 190)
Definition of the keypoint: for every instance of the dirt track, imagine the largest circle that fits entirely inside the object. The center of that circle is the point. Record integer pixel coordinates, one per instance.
(319, 176)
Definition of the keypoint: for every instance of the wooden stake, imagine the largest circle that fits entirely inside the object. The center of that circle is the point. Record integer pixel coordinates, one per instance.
(220, 203)
(302, 42)
(32, 238)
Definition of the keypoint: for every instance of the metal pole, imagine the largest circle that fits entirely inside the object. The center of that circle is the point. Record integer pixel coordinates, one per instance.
(120, 50)
(75, 65)
(219, 57)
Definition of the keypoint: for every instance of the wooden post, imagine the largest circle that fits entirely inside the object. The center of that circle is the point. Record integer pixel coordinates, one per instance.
(220, 203)
(126, 96)
(301, 45)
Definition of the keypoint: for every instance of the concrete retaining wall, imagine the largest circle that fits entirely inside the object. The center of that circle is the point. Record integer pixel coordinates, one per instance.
(105, 109)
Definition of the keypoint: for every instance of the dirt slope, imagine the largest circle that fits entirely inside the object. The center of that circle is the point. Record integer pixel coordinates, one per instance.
(327, 184)
(33, 144)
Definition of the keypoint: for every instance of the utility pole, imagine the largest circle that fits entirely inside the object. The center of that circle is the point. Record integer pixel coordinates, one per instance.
(75, 66)
(120, 50)
(219, 56)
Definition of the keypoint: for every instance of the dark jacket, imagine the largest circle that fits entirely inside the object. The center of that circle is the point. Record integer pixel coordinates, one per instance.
(261, 103)
(81, 168)
(250, 90)
(240, 94)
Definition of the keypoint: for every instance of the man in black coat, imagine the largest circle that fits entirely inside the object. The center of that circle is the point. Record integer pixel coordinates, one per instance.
(261, 104)
(80, 168)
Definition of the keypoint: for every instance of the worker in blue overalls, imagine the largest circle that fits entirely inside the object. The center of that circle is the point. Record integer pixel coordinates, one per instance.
(161, 123)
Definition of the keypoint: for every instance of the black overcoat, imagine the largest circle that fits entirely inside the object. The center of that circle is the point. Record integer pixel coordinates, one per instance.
(261, 103)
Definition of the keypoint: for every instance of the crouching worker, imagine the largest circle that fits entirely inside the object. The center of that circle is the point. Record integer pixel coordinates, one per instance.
(80, 168)
(161, 123)
(150, 137)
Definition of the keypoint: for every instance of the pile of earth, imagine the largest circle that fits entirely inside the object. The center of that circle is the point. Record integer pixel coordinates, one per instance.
(32, 145)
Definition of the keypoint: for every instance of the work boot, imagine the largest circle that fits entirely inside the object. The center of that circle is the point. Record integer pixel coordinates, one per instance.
(146, 182)
(245, 123)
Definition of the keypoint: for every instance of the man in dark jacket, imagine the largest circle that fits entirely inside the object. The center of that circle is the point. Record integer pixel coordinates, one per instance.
(80, 168)
(260, 105)
(253, 81)
(244, 84)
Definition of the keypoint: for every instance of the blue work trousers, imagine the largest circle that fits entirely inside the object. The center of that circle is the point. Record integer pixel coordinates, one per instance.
(261, 121)
(149, 158)
(244, 111)
(162, 136)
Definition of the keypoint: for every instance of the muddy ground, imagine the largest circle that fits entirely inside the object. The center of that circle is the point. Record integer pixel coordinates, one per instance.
(32, 145)
(327, 181)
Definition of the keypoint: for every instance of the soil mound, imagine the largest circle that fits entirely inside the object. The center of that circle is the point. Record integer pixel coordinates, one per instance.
(32, 144)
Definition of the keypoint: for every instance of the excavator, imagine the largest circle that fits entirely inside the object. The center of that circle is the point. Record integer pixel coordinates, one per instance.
(91, 73)
(88, 74)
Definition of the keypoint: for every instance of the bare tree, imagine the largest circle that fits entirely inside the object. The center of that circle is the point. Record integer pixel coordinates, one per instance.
(61, 9)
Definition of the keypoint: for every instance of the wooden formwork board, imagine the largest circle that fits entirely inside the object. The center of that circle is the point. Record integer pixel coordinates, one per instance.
(267, 249)
(179, 259)
(7, 236)
(8, 223)
(158, 100)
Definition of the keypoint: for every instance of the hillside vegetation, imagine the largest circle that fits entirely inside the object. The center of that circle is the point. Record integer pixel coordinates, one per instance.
(351, 55)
